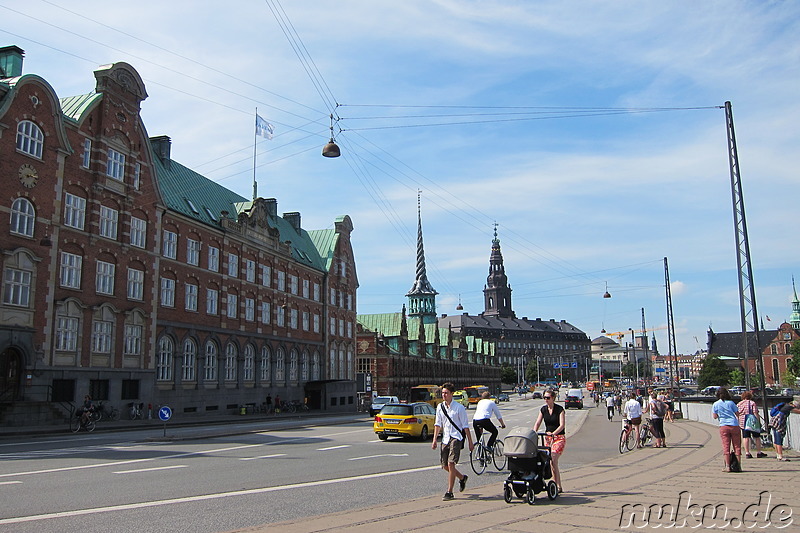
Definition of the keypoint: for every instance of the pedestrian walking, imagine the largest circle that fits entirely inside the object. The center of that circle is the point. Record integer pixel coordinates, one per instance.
(555, 422)
(750, 424)
(452, 423)
(726, 412)
(610, 406)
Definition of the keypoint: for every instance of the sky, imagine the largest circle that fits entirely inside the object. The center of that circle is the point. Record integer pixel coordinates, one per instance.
(592, 133)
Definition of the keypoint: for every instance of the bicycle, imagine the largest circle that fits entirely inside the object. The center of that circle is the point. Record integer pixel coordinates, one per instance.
(102, 411)
(627, 439)
(645, 433)
(481, 454)
(77, 423)
(135, 412)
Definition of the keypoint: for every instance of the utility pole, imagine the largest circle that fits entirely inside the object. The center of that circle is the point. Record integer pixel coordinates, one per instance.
(673, 353)
(747, 291)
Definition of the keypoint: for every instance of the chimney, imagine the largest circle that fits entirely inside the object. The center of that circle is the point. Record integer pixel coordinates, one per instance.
(293, 218)
(162, 146)
(272, 206)
(11, 61)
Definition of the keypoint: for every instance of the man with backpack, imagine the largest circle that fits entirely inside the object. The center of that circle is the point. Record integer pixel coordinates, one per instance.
(779, 415)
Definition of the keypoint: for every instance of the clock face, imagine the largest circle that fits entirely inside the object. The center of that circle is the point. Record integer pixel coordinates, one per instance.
(28, 175)
(787, 336)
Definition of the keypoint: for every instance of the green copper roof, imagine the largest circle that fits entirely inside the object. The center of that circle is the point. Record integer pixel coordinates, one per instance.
(74, 107)
(324, 241)
(390, 324)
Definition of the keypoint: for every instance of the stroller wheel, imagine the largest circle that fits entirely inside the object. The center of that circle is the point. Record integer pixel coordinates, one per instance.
(552, 490)
(508, 494)
(531, 497)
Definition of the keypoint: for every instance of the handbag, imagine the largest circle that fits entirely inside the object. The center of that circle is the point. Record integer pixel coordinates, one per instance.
(751, 422)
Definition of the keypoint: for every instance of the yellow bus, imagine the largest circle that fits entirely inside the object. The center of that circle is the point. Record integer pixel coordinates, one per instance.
(474, 393)
(431, 394)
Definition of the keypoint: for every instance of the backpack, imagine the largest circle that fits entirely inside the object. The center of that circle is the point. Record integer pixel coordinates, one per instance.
(735, 465)
(659, 408)
(777, 409)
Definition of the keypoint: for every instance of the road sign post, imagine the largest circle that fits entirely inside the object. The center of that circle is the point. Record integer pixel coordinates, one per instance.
(164, 414)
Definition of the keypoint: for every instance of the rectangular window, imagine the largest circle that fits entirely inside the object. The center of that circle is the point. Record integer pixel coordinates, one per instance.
(192, 252)
(104, 281)
(266, 273)
(293, 318)
(333, 326)
(74, 211)
(17, 287)
(213, 259)
(249, 309)
(281, 280)
(333, 296)
(71, 270)
(108, 222)
(292, 283)
(212, 301)
(316, 291)
(305, 320)
(191, 297)
(135, 284)
(66, 334)
(233, 265)
(115, 166)
(167, 292)
(138, 232)
(133, 339)
(349, 329)
(306, 285)
(280, 316)
(101, 336)
(265, 312)
(137, 175)
(170, 244)
(87, 153)
(232, 306)
(250, 270)
(341, 327)
(316, 323)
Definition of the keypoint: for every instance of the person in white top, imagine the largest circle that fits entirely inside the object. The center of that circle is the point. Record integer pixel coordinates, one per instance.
(610, 406)
(482, 419)
(452, 423)
(633, 412)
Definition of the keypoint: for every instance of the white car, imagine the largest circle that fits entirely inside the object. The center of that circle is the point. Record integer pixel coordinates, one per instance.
(379, 401)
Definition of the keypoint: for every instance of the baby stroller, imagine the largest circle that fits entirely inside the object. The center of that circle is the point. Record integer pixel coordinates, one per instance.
(529, 465)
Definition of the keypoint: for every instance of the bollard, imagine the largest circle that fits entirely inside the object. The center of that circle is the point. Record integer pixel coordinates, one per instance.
(242, 410)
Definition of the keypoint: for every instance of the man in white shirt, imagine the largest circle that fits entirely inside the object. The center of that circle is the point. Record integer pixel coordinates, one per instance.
(633, 412)
(610, 406)
(482, 419)
(453, 424)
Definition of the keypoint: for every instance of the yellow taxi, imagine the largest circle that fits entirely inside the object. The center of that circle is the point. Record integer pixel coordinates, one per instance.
(405, 420)
(461, 397)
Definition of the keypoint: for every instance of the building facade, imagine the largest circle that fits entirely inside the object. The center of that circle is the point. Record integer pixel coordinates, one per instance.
(130, 277)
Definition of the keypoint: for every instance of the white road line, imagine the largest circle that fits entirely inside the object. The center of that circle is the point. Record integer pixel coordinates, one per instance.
(9, 482)
(204, 497)
(262, 457)
(333, 448)
(131, 461)
(150, 469)
(381, 455)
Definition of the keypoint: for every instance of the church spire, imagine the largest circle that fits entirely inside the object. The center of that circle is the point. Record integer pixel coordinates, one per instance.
(794, 319)
(422, 296)
(497, 293)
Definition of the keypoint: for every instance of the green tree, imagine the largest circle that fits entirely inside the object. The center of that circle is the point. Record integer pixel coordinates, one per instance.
(737, 377)
(713, 372)
(507, 374)
(793, 364)
(532, 370)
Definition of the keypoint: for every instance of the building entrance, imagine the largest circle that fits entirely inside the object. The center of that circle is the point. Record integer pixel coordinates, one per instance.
(10, 364)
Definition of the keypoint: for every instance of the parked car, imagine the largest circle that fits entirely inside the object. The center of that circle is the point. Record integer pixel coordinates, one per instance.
(379, 401)
(574, 399)
(537, 395)
(461, 397)
(503, 397)
(709, 391)
(789, 392)
(405, 420)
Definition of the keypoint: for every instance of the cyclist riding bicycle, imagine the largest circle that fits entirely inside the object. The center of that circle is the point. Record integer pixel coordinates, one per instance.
(483, 418)
(86, 410)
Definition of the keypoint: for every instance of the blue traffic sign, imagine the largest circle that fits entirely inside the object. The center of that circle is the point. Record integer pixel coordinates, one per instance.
(573, 365)
(165, 413)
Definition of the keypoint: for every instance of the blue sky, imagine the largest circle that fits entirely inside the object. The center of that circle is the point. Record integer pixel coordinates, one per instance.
(590, 133)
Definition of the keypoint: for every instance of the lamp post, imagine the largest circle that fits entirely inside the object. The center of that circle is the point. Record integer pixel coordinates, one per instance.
(635, 359)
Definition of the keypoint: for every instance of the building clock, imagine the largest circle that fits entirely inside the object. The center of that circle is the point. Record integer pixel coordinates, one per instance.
(787, 336)
(28, 175)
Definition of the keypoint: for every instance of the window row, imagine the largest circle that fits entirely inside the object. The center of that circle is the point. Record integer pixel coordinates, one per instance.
(211, 364)
(104, 325)
(30, 140)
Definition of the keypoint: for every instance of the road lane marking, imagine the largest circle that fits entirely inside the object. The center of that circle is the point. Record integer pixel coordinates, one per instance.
(204, 497)
(262, 457)
(381, 455)
(138, 470)
(9, 482)
(333, 448)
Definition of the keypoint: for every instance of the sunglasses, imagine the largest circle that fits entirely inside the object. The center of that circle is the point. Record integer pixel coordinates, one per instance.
(548, 397)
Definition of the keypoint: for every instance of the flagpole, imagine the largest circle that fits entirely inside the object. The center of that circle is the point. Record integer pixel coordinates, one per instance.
(255, 141)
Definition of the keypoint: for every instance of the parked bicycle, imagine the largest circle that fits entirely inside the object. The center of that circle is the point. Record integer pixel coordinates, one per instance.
(481, 455)
(294, 406)
(645, 433)
(627, 439)
(101, 411)
(135, 410)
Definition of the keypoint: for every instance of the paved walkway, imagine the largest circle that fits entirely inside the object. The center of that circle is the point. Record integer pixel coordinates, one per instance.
(684, 482)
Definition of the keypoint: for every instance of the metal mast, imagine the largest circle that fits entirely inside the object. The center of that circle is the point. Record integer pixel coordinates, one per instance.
(747, 291)
(673, 354)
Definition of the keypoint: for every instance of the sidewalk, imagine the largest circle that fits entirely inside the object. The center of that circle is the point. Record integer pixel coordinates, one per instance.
(684, 483)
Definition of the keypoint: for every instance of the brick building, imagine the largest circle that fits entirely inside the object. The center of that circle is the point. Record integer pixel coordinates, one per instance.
(131, 277)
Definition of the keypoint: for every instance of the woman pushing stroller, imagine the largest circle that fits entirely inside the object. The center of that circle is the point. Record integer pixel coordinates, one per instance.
(554, 420)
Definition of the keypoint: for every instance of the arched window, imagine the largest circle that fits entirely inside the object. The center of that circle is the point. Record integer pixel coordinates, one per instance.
(210, 366)
(249, 361)
(332, 365)
(166, 349)
(30, 139)
(315, 367)
(342, 366)
(773, 349)
(189, 371)
(280, 365)
(230, 362)
(266, 366)
(304, 366)
(350, 362)
(293, 365)
(23, 217)
(776, 375)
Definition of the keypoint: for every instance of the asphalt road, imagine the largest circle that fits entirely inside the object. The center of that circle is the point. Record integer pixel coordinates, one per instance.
(123, 482)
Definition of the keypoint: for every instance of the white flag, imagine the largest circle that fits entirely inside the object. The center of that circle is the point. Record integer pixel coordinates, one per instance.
(264, 128)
